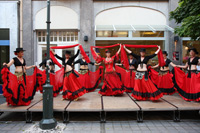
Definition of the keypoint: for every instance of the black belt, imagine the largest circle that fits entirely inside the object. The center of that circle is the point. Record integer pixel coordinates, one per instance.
(191, 71)
(145, 74)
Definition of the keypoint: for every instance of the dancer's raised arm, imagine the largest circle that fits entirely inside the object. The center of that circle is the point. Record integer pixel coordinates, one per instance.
(157, 50)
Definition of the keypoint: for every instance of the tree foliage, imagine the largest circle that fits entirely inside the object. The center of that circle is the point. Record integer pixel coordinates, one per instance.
(188, 15)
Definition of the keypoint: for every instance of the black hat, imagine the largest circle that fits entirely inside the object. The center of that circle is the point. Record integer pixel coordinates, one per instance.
(193, 49)
(142, 50)
(68, 52)
(165, 52)
(107, 51)
(18, 50)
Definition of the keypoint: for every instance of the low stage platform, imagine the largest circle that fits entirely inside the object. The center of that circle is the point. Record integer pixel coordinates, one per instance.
(93, 102)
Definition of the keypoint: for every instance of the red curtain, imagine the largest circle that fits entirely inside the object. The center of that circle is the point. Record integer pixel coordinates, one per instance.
(124, 58)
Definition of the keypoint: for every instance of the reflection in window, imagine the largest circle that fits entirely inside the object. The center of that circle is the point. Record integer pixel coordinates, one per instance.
(148, 34)
(112, 33)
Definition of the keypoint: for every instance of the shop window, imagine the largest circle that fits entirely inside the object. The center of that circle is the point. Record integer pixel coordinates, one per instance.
(58, 36)
(112, 34)
(148, 34)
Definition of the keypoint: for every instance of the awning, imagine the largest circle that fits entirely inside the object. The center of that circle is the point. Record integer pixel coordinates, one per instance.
(133, 28)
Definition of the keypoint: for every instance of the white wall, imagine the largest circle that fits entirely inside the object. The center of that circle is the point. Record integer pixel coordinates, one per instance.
(161, 6)
(61, 18)
(8, 19)
(130, 16)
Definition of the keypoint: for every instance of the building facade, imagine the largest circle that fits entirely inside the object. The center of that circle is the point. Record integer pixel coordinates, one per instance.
(95, 22)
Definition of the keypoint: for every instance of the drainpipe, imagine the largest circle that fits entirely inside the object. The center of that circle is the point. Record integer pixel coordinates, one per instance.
(21, 23)
(18, 23)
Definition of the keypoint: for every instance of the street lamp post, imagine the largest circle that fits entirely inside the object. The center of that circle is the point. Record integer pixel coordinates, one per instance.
(48, 122)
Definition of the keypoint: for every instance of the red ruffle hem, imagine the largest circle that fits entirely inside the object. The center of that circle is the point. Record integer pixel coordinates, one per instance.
(91, 80)
(187, 87)
(145, 89)
(72, 88)
(18, 91)
(112, 85)
(164, 82)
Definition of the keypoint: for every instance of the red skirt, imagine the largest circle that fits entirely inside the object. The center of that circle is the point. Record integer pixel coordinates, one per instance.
(56, 80)
(129, 81)
(91, 80)
(187, 87)
(112, 85)
(163, 82)
(145, 89)
(41, 79)
(18, 91)
(127, 77)
(72, 88)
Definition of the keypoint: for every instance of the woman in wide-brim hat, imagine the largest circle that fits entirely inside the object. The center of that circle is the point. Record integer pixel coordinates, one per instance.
(163, 78)
(17, 89)
(144, 89)
(188, 84)
(72, 88)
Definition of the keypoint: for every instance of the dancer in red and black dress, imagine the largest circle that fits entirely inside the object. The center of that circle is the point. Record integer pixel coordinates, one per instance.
(72, 88)
(129, 79)
(163, 80)
(89, 80)
(19, 89)
(144, 88)
(54, 77)
(112, 85)
(188, 85)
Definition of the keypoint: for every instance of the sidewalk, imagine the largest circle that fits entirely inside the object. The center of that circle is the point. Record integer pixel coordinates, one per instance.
(155, 126)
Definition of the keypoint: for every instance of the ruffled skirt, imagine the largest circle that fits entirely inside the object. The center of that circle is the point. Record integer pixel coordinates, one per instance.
(163, 81)
(72, 88)
(187, 87)
(90, 80)
(144, 89)
(18, 91)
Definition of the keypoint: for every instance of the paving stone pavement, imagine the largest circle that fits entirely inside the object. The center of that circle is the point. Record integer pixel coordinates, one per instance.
(149, 126)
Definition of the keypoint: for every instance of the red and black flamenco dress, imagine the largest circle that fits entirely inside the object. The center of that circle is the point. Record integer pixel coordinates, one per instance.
(72, 88)
(88, 79)
(144, 88)
(56, 80)
(112, 83)
(128, 76)
(163, 79)
(19, 90)
(187, 84)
